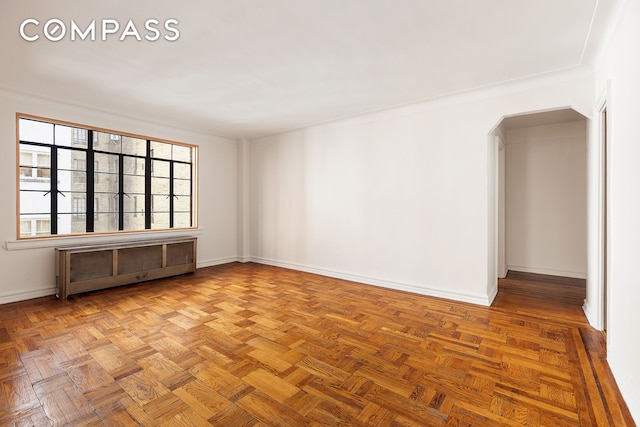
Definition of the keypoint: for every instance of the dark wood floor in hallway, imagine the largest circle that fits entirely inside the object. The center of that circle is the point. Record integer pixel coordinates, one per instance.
(254, 345)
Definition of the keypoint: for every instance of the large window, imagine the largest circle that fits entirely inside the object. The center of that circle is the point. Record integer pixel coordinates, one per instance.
(135, 183)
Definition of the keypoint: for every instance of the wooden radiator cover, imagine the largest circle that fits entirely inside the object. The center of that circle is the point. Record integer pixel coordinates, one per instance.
(92, 267)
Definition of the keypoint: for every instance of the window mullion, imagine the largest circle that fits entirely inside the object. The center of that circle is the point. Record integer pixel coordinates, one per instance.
(90, 171)
(121, 192)
(171, 194)
(191, 195)
(147, 187)
(54, 189)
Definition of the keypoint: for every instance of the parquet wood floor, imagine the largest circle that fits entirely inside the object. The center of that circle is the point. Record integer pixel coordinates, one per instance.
(253, 345)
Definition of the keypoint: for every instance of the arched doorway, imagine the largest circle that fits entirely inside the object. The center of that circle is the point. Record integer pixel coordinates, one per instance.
(540, 193)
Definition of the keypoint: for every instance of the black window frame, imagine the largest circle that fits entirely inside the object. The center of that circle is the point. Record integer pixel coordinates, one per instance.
(91, 215)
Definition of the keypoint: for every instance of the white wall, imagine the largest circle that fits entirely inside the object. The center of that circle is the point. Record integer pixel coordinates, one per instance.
(620, 72)
(29, 273)
(404, 198)
(546, 199)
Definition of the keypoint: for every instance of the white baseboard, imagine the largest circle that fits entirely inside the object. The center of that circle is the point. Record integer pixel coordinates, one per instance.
(493, 292)
(484, 300)
(592, 316)
(23, 296)
(549, 272)
(219, 261)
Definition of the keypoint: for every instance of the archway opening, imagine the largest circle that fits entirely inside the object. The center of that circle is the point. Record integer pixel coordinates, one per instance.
(540, 195)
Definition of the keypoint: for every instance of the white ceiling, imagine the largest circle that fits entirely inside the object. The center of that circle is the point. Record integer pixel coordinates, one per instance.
(247, 68)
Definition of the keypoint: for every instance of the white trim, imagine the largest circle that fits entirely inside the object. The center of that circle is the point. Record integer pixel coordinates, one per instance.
(53, 242)
(493, 293)
(484, 300)
(23, 296)
(590, 312)
(593, 306)
(218, 261)
(547, 271)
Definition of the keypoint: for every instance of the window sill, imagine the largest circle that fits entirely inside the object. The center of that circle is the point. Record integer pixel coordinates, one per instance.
(54, 242)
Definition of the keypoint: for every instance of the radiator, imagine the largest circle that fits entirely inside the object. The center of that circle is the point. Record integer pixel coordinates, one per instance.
(92, 267)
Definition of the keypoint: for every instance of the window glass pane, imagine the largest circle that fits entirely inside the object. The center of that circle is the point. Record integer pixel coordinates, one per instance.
(135, 146)
(160, 220)
(35, 202)
(34, 225)
(64, 180)
(26, 161)
(72, 170)
(106, 183)
(160, 204)
(34, 131)
(134, 188)
(160, 186)
(182, 153)
(106, 179)
(134, 165)
(182, 204)
(71, 137)
(133, 184)
(181, 220)
(64, 224)
(160, 150)
(79, 137)
(43, 166)
(65, 200)
(180, 170)
(133, 221)
(35, 165)
(106, 162)
(25, 227)
(160, 168)
(68, 224)
(106, 212)
(79, 206)
(106, 222)
(79, 175)
(26, 157)
(181, 187)
(109, 142)
(43, 227)
(134, 204)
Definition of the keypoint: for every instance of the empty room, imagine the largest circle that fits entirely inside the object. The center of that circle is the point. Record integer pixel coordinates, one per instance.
(292, 213)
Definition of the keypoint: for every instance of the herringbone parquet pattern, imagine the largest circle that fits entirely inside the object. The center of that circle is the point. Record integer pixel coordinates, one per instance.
(252, 345)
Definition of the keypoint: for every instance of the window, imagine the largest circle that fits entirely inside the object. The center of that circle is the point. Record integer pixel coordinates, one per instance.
(135, 183)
